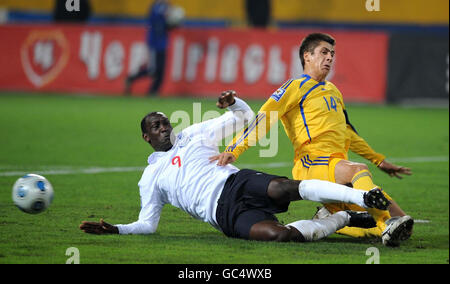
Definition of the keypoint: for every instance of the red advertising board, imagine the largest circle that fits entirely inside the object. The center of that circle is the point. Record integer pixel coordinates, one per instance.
(201, 62)
(256, 62)
(70, 58)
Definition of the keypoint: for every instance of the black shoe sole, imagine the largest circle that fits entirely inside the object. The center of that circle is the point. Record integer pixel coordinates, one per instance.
(376, 199)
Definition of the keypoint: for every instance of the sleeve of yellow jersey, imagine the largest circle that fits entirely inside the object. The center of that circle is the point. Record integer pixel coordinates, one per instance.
(274, 108)
(359, 146)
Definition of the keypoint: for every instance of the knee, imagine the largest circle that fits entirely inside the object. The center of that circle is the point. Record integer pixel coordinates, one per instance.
(280, 191)
(346, 170)
(276, 190)
(278, 236)
(357, 167)
(288, 234)
(270, 231)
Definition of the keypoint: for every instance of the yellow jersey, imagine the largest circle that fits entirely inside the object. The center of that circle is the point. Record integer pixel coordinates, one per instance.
(314, 118)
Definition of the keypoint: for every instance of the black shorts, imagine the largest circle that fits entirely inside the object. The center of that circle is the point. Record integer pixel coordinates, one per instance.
(244, 202)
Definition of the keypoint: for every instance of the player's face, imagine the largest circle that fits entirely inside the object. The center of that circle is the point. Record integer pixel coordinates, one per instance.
(159, 132)
(321, 60)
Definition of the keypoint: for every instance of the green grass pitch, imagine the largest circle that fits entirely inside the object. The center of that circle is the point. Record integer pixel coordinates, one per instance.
(91, 150)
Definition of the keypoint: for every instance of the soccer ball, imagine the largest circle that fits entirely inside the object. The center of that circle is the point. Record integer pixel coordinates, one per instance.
(32, 193)
(175, 15)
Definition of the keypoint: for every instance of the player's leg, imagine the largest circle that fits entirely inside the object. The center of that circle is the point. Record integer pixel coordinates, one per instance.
(283, 191)
(354, 232)
(308, 230)
(158, 75)
(344, 172)
(129, 80)
(360, 177)
(252, 197)
(244, 202)
(260, 196)
(316, 229)
(270, 230)
(144, 71)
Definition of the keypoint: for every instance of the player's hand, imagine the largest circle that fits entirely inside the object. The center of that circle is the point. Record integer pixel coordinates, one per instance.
(226, 99)
(98, 228)
(223, 159)
(394, 170)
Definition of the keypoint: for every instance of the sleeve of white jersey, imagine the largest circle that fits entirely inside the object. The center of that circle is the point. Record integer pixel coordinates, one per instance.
(146, 224)
(225, 125)
(151, 207)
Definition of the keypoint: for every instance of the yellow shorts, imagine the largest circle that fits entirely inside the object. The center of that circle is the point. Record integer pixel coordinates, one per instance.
(315, 167)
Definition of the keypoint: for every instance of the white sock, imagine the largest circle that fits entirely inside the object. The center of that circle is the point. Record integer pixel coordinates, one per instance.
(328, 192)
(313, 230)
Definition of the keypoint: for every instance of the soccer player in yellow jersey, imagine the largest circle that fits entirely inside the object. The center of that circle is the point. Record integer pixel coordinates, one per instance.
(313, 114)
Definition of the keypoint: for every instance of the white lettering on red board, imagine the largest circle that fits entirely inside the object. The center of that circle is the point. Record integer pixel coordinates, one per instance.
(226, 62)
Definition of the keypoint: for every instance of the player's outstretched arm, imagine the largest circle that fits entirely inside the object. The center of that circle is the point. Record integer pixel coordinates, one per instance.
(394, 170)
(225, 100)
(100, 228)
(227, 124)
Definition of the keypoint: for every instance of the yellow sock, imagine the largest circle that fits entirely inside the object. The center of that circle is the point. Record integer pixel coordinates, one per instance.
(363, 180)
(361, 233)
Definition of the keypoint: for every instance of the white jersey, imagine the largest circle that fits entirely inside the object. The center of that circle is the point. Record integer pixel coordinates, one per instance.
(184, 176)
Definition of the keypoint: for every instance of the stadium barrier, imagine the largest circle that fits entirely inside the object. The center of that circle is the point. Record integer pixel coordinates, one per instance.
(336, 12)
(419, 68)
(96, 59)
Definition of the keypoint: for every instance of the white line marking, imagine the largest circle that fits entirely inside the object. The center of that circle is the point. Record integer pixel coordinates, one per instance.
(420, 159)
(67, 170)
(422, 221)
(93, 170)
(394, 160)
(266, 166)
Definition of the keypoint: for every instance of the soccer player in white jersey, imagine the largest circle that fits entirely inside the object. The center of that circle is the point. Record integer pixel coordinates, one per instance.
(239, 203)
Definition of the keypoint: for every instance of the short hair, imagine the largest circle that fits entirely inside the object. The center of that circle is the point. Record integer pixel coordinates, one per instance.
(144, 121)
(148, 116)
(311, 41)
